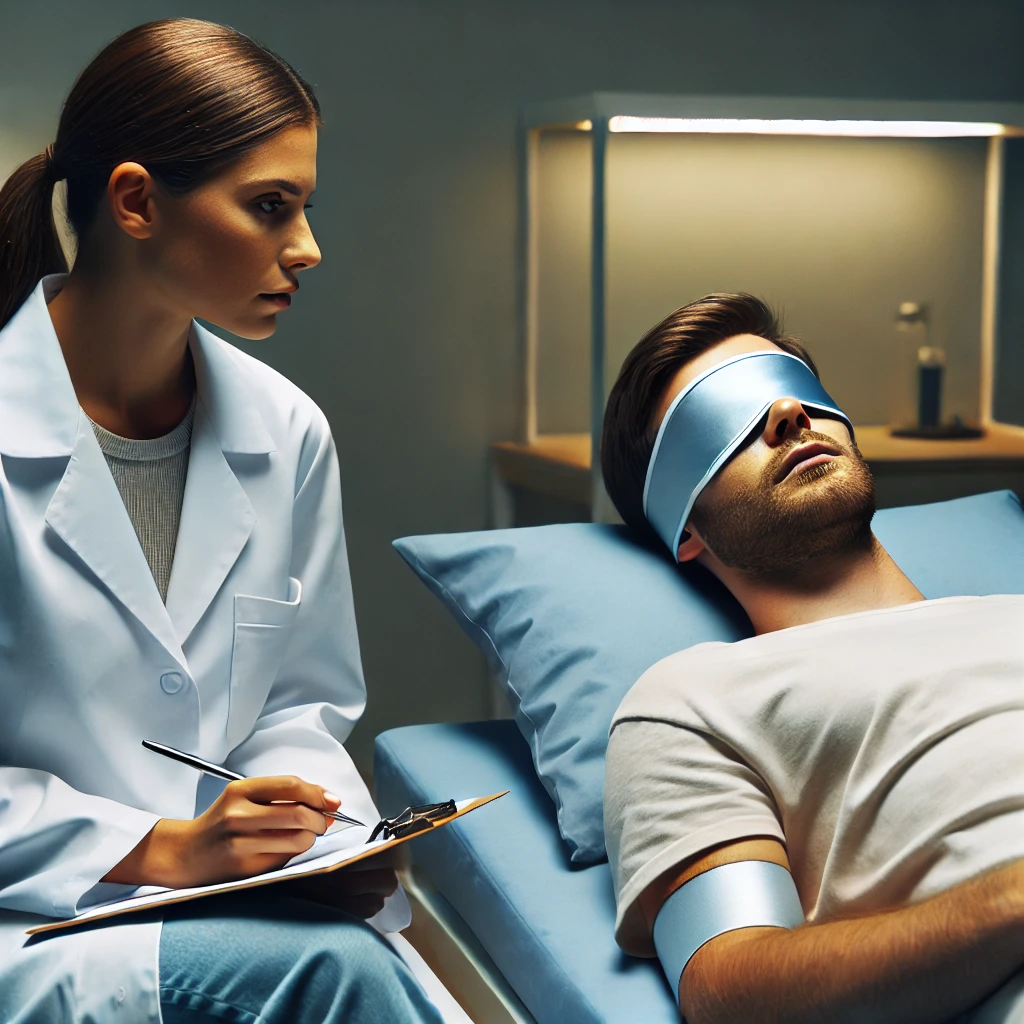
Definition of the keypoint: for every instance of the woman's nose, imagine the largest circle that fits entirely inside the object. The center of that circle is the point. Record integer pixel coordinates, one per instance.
(305, 253)
(787, 419)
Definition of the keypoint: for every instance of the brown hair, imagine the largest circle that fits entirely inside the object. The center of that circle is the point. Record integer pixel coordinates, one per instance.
(629, 432)
(184, 98)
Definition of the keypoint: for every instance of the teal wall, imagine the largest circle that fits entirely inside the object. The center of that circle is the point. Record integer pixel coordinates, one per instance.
(407, 334)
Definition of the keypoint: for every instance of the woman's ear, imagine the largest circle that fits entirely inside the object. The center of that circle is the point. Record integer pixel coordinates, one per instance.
(690, 546)
(130, 191)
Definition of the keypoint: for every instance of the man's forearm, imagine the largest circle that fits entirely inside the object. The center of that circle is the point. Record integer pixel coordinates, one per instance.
(923, 963)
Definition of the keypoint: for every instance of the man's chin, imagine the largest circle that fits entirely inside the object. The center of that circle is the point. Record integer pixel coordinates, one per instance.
(829, 502)
(795, 523)
(830, 488)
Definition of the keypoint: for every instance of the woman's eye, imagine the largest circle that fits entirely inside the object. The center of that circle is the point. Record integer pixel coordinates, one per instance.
(272, 203)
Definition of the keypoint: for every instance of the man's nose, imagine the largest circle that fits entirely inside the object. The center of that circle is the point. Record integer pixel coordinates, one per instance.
(787, 419)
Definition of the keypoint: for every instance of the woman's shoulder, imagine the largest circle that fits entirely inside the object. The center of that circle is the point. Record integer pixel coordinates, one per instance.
(236, 378)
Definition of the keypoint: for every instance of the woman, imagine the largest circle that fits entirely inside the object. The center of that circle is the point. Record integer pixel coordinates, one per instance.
(172, 561)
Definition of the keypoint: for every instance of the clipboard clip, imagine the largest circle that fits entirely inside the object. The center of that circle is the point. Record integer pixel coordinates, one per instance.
(413, 820)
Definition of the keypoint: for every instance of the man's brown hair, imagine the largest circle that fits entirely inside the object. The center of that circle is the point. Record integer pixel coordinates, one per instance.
(629, 431)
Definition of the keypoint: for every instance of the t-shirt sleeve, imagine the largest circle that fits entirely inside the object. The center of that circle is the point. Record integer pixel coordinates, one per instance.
(672, 792)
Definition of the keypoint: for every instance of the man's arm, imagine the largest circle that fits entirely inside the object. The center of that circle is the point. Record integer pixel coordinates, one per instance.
(921, 963)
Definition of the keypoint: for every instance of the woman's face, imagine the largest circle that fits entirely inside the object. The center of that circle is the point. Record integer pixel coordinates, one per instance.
(230, 251)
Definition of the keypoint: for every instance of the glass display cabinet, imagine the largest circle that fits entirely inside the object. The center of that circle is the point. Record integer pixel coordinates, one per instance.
(840, 213)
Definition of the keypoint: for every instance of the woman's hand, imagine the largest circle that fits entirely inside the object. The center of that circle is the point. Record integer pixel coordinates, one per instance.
(255, 825)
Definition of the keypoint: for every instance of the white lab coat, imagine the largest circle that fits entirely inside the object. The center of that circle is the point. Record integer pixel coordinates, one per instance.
(253, 662)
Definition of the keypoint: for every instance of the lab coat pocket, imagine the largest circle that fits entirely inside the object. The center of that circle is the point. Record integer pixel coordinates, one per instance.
(263, 628)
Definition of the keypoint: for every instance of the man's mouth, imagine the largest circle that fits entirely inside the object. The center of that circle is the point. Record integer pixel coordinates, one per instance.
(280, 299)
(805, 457)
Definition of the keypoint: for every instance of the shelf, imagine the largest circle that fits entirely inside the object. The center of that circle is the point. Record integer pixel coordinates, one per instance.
(556, 464)
(559, 464)
(1003, 443)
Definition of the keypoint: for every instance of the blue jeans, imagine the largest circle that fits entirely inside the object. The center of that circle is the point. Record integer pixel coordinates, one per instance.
(257, 958)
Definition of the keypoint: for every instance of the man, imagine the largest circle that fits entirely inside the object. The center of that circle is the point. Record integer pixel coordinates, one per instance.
(824, 822)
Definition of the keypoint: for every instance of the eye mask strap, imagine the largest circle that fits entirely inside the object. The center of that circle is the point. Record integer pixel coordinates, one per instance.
(710, 419)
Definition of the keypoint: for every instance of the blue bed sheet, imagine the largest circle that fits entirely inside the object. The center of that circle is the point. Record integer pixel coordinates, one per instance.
(546, 924)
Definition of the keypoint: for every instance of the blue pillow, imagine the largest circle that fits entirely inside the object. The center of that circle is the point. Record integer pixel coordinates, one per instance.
(570, 616)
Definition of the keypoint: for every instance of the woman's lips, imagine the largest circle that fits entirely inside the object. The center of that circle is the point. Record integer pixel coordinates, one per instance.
(280, 299)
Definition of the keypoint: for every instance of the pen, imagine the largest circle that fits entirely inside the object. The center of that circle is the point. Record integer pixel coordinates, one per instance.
(220, 772)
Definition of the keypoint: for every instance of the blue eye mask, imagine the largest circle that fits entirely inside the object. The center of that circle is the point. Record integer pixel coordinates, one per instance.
(708, 422)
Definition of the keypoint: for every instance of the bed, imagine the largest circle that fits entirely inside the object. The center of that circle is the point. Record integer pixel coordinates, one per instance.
(517, 898)
(505, 875)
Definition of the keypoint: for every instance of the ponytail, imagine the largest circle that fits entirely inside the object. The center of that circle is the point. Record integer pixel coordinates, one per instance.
(29, 244)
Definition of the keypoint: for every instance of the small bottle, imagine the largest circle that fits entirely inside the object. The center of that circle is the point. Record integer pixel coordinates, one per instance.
(910, 338)
(931, 363)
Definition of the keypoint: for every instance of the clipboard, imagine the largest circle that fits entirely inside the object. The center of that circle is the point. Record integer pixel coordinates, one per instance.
(308, 865)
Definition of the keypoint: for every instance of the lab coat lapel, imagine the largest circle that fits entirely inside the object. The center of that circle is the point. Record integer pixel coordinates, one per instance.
(216, 516)
(87, 512)
(40, 418)
(216, 520)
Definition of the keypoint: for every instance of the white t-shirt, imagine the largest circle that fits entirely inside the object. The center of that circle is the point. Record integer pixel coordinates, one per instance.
(885, 749)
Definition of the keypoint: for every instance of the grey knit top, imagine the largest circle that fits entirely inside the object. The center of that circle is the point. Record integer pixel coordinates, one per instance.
(150, 476)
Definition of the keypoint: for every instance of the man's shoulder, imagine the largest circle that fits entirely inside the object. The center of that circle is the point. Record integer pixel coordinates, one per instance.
(738, 677)
(661, 692)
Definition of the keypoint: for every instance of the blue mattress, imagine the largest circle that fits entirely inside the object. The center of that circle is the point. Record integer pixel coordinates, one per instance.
(546, 924)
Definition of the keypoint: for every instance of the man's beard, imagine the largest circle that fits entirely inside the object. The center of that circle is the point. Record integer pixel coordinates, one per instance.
(771, 532)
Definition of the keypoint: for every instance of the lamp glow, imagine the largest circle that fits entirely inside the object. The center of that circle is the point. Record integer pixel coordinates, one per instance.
(793, 126)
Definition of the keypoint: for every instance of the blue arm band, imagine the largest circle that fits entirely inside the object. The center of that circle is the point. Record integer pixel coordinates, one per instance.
(746, 894)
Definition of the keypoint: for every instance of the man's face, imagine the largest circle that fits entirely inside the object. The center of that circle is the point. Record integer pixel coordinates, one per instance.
(799, 489)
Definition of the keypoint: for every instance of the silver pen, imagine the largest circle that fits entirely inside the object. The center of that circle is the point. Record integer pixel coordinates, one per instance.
(220, 772)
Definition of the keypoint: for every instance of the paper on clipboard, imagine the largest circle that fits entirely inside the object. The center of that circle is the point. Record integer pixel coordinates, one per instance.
(327, 854)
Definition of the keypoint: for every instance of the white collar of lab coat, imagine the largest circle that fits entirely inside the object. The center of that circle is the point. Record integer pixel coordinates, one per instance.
(39, 410)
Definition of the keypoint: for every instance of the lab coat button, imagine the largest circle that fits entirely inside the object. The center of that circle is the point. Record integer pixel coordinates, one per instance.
(171, 682)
